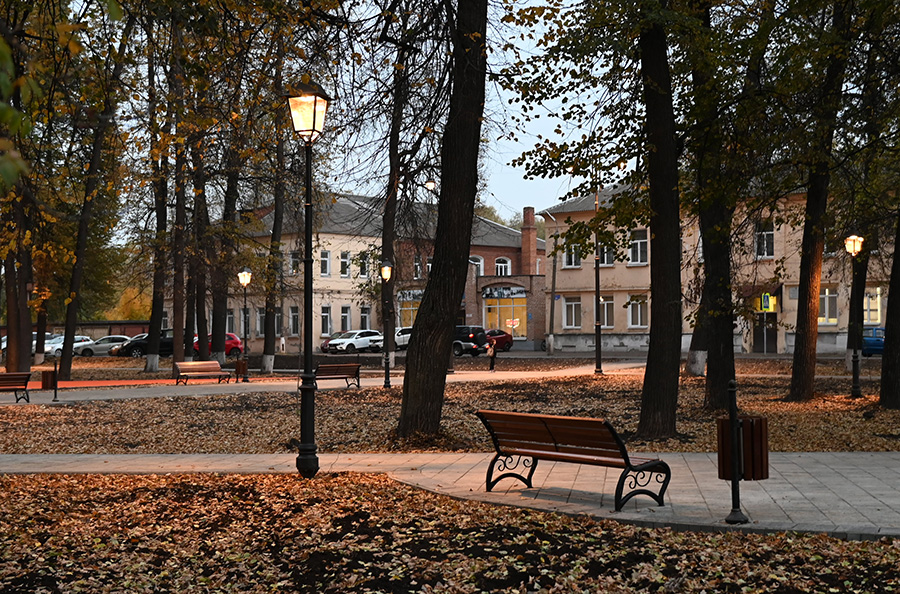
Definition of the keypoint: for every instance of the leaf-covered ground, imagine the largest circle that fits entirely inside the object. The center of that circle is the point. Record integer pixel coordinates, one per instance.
(351, 420)
(364, 533)
(356, 533)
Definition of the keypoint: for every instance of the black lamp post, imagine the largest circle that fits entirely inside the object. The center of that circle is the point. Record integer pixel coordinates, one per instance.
(244, 277)
(853, 245)
(598, 332)
(308, 104)
(387, 268)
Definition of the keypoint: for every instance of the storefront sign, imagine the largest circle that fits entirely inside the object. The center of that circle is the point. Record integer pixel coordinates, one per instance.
(503, 293)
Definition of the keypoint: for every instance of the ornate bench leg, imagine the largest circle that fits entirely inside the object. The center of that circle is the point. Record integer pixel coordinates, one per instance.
(26, 397)
(640, 477)
(506, 465)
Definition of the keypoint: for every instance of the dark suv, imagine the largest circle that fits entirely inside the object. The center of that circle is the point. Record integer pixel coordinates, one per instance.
(470, 340)
(137, 346)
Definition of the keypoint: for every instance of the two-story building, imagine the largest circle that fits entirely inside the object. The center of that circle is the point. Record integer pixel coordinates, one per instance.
(766, 268)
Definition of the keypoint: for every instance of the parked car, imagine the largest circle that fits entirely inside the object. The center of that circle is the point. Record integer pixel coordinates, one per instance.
(233, 345)
(101, 346)
(137, 347)
(55, 345)
(354, 340)
(470, 340)
(325, 342)
(503, 341)
(401, 339)
(873, 341)
(115, 350)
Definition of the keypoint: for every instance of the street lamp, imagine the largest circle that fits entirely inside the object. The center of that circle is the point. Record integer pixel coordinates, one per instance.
(853, 245)
(244, 277)
(387, 269)
(308, 104)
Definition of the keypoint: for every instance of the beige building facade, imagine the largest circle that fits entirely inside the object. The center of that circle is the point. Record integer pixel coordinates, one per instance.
(766, 268)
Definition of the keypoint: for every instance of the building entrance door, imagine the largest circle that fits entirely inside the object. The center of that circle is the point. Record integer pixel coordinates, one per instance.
(765, 332)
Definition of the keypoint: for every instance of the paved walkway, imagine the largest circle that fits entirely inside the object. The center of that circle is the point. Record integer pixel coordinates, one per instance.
(849, 495)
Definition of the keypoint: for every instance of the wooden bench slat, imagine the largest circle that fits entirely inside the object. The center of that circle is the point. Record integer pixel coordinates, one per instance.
(16, 382)
(188, 369)
(345, 371)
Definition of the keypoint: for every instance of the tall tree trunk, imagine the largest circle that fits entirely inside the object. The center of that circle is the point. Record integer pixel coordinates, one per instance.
(659, 398)
(275, 261)
(201, 228)
(91, 190)
(222, 265)
(890, 360)
(425, 379)
(178, 231)
(813, 243)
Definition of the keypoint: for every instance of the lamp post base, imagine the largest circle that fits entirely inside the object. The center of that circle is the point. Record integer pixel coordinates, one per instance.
(307, 461)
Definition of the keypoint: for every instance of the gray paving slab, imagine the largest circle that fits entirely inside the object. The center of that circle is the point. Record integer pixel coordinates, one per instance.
(775, 504)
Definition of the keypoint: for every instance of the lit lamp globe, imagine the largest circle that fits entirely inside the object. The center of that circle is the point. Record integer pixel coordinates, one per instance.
(387, 270)
(308, 104)
(853, 244)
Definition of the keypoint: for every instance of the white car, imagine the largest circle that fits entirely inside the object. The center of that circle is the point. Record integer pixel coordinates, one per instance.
(401, 339)
(55, 345)
(101, 346)
(355, 340)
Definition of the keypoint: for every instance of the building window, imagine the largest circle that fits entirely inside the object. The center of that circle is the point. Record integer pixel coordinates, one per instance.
(245, 321)
(502, 267)
(325, 263)
(363, 266)
(407, 309)
(365, 314)
(326, 320)
(572, 312)
(260, 320)
(638, 251)
(507, 313)
(165, 320)
(537, 267)
(607, 256)
(295, 263)
(637, 311)
(765, 240)
(478, 263)
(229, 321)
(607, 311)
(417, 267)
(872, 307)
(279, 320)
(345, 264)
(295, 320)
(572, 257)
(828, 306)
(428, 264)
(345, 318)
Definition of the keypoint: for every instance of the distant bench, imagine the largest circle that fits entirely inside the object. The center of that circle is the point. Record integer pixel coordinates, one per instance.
(344, 371)
(522, 438)
(185, 370)
(16, 381)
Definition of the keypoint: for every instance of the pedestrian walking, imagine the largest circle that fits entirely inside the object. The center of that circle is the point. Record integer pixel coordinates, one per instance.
(492, 353)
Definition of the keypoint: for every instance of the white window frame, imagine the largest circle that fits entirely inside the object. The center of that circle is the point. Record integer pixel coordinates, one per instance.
(607, 312)
(363, 265)
(572, 257)
(260, 320)
(607, 257)
(229, 321)
(428, 263)
(638, 311)
(325, 263)
(764, 240)
(295, 320)
(417, 267)
(828, 306)
(639, 249)
(346, 318)
(572, 312)
(872, 307)
(365, 317)
(325, 320)
(502, 267)
(478, 263)
(295, 264)
(164, 324)
(345, 264)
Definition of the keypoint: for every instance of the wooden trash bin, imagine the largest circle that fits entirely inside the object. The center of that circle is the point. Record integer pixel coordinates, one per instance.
(48, 379)
(754, 446)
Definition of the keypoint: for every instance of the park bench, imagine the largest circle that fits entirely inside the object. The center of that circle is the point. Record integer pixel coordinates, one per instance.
(523, 439)
(344, 371)
(16, 381)
(185, 370)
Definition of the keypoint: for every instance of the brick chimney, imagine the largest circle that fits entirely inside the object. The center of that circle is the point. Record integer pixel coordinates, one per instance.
(529, 241)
